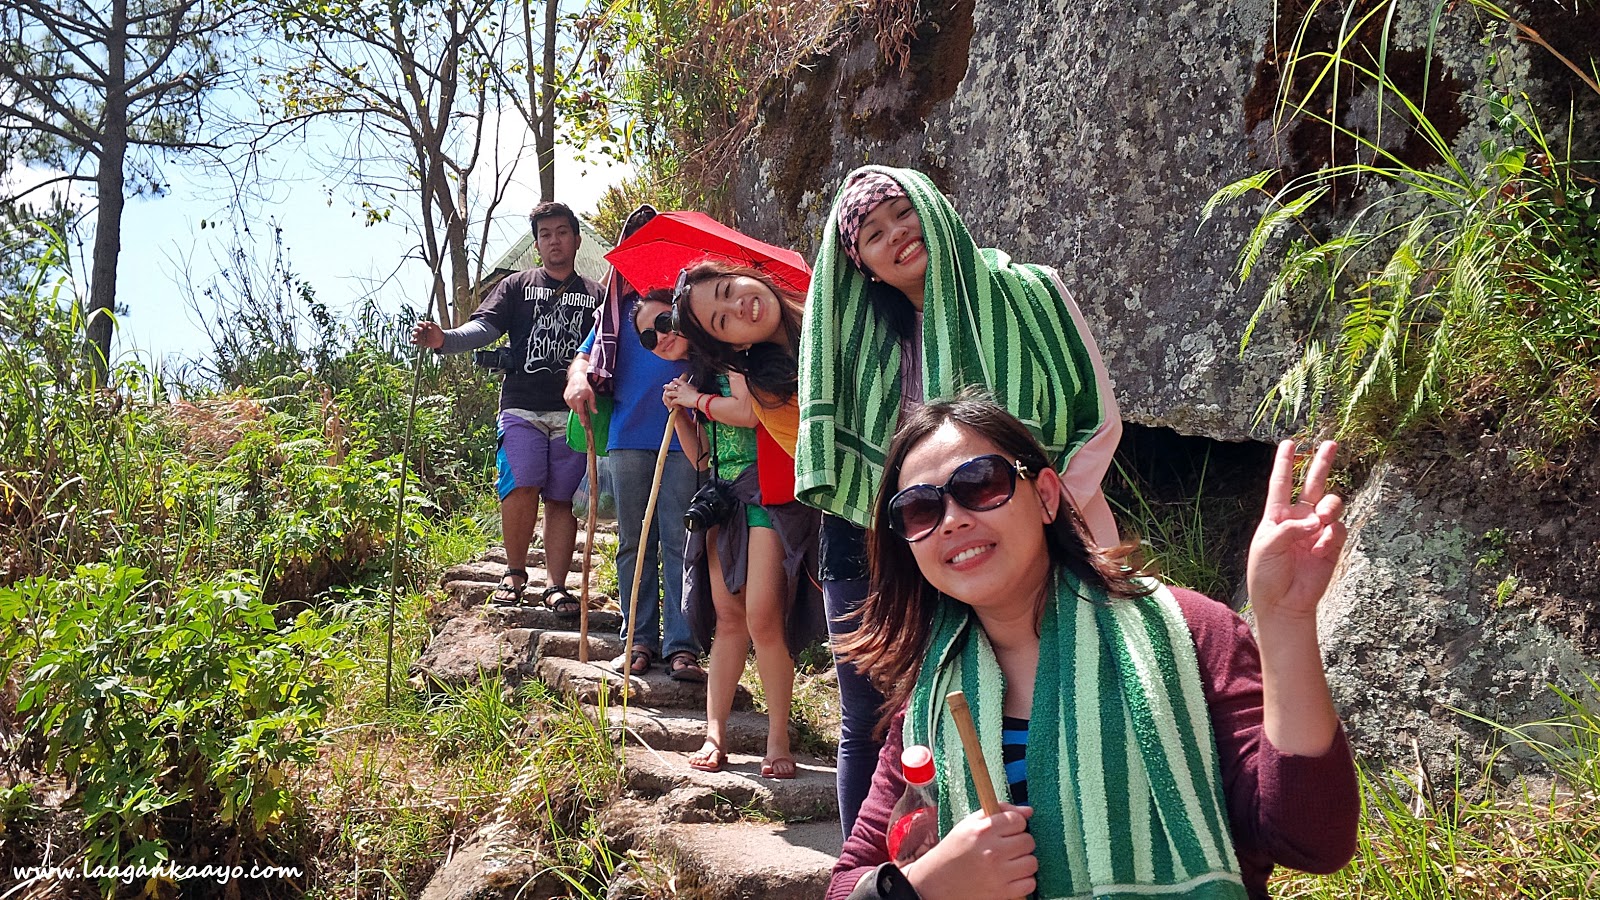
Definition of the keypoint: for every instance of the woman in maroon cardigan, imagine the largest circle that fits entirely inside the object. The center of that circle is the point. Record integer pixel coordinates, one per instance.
(1210, 760)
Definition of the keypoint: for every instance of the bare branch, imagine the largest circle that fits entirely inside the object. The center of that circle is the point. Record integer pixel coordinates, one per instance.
(45, 13)
(59, 179)
(87, 139)
(74, 45)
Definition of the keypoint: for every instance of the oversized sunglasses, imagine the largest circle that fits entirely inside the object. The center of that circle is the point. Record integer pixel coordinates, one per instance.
(680, 291)
(680, 299)
(651, 336)
(984, 482)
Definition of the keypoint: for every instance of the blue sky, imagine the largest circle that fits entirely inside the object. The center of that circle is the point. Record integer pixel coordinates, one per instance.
(328, 242)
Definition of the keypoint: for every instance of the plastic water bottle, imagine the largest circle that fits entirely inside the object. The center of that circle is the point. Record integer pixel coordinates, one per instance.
(914, 823)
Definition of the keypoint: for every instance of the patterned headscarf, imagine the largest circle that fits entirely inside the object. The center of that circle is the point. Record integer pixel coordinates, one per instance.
(986, 320)
(857, 201)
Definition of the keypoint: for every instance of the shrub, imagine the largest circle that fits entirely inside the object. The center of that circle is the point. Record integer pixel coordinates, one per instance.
(172, 714)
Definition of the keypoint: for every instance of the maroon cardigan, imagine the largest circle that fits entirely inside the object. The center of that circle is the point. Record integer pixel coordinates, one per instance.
(1294, 811)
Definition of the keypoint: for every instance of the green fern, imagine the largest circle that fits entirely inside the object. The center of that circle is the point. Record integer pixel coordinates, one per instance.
(1464, 283)
(1232, 192)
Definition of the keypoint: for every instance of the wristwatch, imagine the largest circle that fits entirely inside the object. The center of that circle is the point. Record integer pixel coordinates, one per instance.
(886, 882)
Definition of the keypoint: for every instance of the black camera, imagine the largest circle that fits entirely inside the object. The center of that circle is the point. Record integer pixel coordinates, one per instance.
(710, 506)
(497, 360)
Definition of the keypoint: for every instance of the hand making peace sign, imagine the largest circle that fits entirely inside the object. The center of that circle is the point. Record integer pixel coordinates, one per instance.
(1298, 542)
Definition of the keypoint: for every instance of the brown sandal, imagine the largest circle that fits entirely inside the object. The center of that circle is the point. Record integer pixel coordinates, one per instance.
(684, 666)
(638, 662)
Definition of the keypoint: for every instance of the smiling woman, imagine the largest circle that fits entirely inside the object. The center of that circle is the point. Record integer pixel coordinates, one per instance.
(743, 321)
(736, 309)
(890, 248)
(1152, 748)
(905, 305)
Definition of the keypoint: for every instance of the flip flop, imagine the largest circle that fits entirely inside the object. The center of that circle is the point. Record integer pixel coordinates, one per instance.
(683, 666)
(777, 766)
(713, 761)
(507, 593)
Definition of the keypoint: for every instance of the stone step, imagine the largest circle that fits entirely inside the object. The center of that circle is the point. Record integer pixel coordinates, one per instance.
(603, 645)
(601, 621)
(491, 572)
(811, 795)
(753, 861)
(654, 690)
(473, 592)
(680, 730)
(507, 642)
(468, 649)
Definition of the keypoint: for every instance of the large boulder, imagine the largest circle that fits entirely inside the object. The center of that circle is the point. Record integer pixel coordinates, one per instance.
(1089, 136)
(1462, 600)
(469, 649)
(501, 861)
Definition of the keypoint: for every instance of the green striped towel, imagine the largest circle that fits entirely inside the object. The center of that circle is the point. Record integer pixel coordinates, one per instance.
(1123, 773)
(986, 321)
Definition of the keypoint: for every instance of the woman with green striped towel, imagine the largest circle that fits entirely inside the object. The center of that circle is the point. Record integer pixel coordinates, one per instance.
(904, 303)
(1150, 747)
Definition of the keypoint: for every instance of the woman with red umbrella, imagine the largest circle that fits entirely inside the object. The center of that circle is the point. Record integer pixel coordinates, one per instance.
(740, 312)
(745, 578)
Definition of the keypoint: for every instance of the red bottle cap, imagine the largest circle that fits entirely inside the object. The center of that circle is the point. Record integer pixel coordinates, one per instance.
(917, 763)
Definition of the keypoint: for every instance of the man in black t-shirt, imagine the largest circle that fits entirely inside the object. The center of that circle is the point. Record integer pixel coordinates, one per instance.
(545, 312)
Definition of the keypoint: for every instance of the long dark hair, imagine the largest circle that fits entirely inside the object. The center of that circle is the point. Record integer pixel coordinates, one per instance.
(771, 370)
(894, 625)
(893, 309)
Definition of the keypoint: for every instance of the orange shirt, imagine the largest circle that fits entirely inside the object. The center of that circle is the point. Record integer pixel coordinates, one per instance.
(782, 422)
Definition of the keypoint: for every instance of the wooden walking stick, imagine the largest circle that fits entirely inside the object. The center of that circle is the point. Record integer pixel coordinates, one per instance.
(957, 701)
(638, 569)
(588, 543)
(400, 529)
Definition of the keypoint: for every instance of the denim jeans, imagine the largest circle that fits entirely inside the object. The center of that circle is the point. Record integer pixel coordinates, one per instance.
(844, 587)
(631, 473)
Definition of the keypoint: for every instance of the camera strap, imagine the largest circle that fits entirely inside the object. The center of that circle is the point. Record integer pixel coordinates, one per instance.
(711, 427)
(564, 286)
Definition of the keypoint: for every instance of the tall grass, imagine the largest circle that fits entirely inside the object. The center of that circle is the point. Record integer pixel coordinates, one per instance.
(1476, 839)
(1466, 286)
(1183, 540)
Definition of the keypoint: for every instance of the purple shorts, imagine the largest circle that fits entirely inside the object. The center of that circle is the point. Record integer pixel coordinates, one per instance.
(536, 455)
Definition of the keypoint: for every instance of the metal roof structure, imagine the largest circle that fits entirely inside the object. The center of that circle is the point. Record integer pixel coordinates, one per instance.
(591, 261)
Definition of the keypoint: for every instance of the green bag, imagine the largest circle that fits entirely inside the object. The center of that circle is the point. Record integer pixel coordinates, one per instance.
(600, 418)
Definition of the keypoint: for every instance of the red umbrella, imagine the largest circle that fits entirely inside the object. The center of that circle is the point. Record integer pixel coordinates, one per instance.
(653, 256)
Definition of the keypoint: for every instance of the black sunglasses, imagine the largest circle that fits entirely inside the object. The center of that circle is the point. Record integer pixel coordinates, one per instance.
(680, 298)
(652, 335)
(981, 483)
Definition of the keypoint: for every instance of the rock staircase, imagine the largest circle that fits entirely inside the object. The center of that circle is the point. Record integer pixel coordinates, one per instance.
(728, 834)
